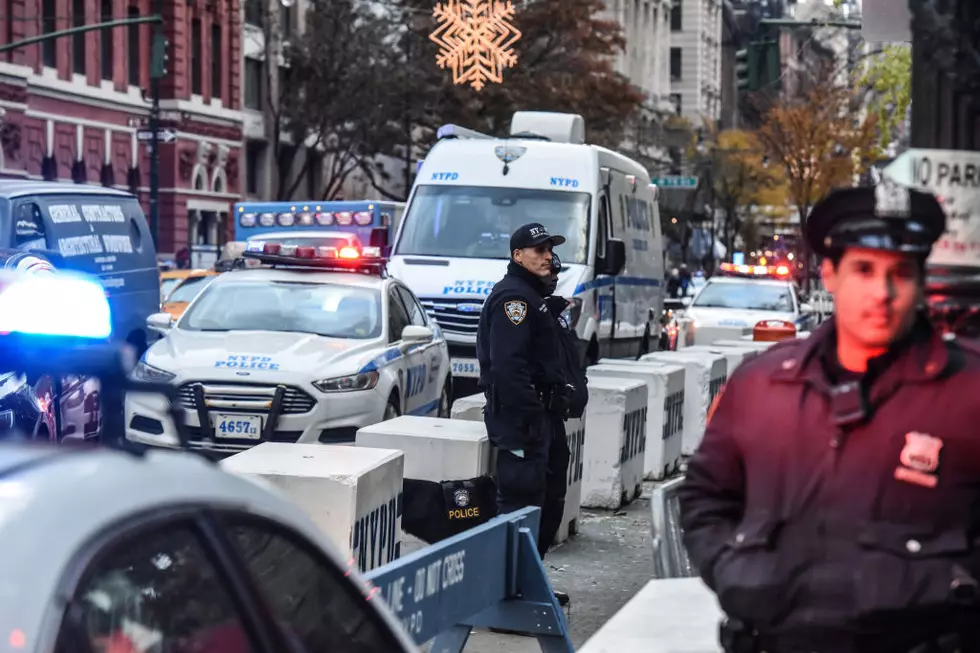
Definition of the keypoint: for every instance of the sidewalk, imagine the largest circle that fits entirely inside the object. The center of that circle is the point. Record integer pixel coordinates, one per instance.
(601, 569)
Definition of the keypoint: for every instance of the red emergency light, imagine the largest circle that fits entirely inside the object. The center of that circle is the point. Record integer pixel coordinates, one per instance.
(755, 271)
(348, 258)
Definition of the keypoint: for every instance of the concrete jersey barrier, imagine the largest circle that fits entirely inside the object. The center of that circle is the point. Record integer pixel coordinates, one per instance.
(615, 442)
(665, 403)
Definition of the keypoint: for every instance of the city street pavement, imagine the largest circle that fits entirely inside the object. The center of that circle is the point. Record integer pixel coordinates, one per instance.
(601, 568)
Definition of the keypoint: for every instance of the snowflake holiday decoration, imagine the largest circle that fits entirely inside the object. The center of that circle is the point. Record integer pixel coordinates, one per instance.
(475, 39)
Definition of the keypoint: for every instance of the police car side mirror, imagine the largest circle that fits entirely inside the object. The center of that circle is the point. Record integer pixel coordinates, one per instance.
(806, 308)
(685, 301)
(160, 322)
(615, 259)
(413, 334)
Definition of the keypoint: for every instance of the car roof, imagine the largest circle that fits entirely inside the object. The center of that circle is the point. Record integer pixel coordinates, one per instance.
(12, 188)
(54, 501)
(303, 275)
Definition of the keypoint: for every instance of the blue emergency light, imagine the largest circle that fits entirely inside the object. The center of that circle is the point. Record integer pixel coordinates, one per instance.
(54, 305)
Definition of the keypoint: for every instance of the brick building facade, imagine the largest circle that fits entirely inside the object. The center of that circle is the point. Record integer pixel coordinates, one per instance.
(70, 108)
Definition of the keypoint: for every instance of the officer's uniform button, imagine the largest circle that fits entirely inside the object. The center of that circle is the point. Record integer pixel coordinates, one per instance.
(740, 538)
(913, 546)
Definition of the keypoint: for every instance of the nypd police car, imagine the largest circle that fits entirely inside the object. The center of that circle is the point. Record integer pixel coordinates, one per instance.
(311, 346)
(744, 295)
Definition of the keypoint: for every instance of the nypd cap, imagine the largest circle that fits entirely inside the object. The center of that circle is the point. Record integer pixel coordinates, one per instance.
(886, 217)
(531, 235)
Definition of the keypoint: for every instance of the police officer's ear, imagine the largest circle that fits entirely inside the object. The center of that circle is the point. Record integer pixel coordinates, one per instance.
(828, 271)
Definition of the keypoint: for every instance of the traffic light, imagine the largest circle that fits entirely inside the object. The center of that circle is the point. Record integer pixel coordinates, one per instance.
(159, 56)
(742, 70)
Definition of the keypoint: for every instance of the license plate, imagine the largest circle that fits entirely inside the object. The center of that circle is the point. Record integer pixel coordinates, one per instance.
(242, 427)
(466, 367)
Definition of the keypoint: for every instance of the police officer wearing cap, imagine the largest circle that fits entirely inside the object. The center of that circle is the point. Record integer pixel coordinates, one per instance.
(520, 373)
(834, 502)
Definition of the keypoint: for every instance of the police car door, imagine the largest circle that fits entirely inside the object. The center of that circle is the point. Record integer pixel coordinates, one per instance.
(412, 372)
(432, 358)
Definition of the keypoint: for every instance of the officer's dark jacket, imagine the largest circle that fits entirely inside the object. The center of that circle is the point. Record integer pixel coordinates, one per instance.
(517, 346)
(798, 523)
(571, 364)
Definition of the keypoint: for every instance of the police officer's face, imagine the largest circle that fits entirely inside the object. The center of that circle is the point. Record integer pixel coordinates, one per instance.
(536, 260)
(875, 295)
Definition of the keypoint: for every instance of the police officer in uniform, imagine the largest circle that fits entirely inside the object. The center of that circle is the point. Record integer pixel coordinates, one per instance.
(521, 375)
(834, 502)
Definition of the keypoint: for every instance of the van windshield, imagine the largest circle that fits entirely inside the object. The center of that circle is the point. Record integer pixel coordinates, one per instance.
(476, 221)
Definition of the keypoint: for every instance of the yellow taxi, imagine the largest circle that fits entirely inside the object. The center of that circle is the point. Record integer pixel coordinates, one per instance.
(186, 289)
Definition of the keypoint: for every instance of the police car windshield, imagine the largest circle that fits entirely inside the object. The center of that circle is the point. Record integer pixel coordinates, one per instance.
(190, 289)
(746, 296)
(324, 309)
(477, 221)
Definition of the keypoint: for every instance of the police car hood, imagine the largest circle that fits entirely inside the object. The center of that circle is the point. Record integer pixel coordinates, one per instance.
(713, 316)
(274, 355)
(432, 277)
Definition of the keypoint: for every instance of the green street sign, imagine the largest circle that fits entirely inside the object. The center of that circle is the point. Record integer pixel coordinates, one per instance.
(676, 182)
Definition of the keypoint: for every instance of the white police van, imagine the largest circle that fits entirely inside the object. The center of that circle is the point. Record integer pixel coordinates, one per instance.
(308, 350)
(473, 190)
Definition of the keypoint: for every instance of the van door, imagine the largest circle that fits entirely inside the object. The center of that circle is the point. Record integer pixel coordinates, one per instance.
(605, 287)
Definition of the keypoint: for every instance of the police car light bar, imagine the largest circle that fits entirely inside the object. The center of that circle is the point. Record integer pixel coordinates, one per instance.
(758, 271)
(347, 258)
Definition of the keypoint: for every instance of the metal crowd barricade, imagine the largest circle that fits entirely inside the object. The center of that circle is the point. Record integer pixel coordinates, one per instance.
(670, 558)
(490, 576)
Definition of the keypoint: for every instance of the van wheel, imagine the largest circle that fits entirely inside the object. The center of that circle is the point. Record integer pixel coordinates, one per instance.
(392, 409)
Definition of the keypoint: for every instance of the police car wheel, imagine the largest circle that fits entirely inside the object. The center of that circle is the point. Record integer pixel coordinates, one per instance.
(391, 409)
(444, 402)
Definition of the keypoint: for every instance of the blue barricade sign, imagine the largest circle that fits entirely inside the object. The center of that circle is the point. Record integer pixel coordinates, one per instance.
(489, 576)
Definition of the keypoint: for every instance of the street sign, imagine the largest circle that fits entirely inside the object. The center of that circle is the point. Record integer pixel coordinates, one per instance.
(954, 177)
(163, 135)
(676, 182)
(165, 116)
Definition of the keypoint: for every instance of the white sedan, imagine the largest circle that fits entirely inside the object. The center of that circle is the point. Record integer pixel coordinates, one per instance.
(744, 302)
(292, 355)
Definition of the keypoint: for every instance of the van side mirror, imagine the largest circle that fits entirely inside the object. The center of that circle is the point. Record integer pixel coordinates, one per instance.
(615, 259)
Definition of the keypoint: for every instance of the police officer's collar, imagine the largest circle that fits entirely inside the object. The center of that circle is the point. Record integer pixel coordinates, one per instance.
(924, 358)
(519, 271)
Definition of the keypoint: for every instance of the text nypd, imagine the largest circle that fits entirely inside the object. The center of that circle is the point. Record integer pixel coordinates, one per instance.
(243, 362)
(405, 595)
(376, 537)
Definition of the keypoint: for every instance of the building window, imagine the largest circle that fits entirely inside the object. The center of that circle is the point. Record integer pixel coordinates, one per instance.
(253, 12)
(133, 47)
(253, 161)
(216, 61)
(49, 11)
(107, 60)
(78, 40)
(253, 84)
(675, 99)
(676, 25)
(196, 56)
(675, 63)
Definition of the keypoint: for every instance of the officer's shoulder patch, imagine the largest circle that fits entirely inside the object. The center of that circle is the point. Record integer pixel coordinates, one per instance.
(516, 311)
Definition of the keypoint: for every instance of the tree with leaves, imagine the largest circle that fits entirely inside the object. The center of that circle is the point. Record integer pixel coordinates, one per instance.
(819, 144)
(329, 93)
(742, 177)
(565, 63)
(887, 77)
